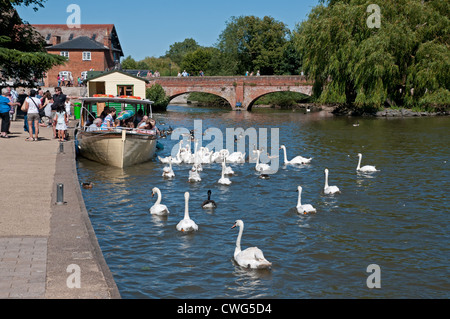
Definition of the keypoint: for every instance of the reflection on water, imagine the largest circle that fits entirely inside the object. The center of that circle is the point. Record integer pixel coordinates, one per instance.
(396, 218)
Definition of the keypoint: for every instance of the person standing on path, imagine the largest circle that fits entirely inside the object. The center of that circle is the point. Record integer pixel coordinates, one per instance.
(5, 107)
(33, 105)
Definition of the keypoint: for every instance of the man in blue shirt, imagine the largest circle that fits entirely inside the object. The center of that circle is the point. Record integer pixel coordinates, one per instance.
(5, 107)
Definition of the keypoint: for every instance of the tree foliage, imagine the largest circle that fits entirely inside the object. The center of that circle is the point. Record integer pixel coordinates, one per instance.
(157, 94)
(22, 49)
(178, 50)
(404, 62)
(249, 43)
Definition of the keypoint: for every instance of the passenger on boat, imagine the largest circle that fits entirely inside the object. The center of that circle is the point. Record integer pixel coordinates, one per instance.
(95, 126)
(143, 125)
(108, 122)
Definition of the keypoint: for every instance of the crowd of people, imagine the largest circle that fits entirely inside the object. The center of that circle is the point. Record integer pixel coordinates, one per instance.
(41, 109)
(109, 121)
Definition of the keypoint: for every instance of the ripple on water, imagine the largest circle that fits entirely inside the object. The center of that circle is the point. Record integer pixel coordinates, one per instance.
(396, 218)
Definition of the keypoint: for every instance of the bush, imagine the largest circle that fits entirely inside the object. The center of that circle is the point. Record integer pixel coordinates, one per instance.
(157, 94)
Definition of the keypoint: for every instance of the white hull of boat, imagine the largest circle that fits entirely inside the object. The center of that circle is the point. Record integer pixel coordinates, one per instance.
(116, 149)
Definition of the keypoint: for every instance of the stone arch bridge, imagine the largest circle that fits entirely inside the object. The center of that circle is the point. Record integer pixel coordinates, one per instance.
(240, 92)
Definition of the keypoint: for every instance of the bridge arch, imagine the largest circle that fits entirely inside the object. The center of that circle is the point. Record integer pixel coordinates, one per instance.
(176, 95)
(254, 97)
(235, 90)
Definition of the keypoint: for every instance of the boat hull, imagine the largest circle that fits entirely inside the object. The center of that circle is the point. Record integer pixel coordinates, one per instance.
(118, 149)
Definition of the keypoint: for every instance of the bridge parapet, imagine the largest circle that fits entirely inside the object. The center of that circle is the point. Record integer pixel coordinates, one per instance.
(244, 90)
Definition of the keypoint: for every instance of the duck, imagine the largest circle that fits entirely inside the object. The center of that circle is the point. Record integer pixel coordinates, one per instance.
(87, 185)
(224, 180)
(329, 189)
(366, 168)
(251, 257)
(260, 166)
(168, 171)
(296, 160)
(186, 224)
(305, 208)
(158, 208)
(209, 203)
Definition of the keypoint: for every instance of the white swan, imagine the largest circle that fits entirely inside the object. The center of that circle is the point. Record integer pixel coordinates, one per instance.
(224, 180)
(260, 166)
(366, 168)
(251, 257)
(329, 189)
(158, 208)
(296, 160)
(209, 203)
(305, 208)
(194, 176)
(168, 171)
(186, 224)
(236, 157)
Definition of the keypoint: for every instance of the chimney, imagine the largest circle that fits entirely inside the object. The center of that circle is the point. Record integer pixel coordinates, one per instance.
(56, 40)
(107, 40)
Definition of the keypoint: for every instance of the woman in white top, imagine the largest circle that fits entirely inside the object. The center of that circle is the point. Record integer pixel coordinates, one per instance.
(33, 105)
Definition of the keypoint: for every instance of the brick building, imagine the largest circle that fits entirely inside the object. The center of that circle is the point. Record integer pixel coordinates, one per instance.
(90, 47)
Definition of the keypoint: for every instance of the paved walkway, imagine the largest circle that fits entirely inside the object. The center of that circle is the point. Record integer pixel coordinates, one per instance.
(47, 251)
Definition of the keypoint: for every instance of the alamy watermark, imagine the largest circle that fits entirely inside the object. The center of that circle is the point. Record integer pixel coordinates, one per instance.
(258, 140)
(74, 279)
(374, 20)
(74, 19)
(374, 280)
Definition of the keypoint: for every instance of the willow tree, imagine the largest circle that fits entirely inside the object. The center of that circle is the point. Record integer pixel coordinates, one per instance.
(22, 49)
(404, 60)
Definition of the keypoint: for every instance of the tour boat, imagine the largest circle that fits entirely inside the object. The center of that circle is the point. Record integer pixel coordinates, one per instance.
(119, 147)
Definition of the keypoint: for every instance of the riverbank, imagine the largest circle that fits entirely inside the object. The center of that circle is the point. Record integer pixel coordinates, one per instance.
(46, 249)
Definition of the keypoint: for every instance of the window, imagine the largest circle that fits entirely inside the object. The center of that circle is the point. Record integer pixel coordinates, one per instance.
(86, 56)
(64, 53)
(125, 90)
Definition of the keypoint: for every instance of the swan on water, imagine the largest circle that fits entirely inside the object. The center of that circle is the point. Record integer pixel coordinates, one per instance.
(224, 180)
(251, 257)
(305, 208)
(296, 160)
(194, 176)
(168, 171)
(186, 224)
(366, 168)
(260, 166)
(158, 208)
(209, 203)
(329, 189)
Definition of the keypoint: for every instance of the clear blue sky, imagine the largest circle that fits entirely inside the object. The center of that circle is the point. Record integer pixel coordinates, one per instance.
(148, 28)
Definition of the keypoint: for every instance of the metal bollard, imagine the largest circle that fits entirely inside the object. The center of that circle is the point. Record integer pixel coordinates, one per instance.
(60, 194)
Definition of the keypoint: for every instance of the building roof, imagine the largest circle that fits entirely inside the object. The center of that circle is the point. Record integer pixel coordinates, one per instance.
(95, 32)
(101, 74)
(80, 43)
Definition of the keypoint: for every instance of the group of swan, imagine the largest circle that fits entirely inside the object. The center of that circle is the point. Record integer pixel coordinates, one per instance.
(251, 257)
(202, 155)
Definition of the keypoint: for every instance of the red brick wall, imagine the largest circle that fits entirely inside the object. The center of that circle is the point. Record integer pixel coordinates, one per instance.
(76, 65)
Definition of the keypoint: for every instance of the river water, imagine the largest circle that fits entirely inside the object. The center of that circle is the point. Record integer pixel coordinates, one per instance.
(397, 218)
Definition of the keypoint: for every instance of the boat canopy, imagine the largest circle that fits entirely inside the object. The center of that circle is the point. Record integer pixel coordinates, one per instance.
(87, 102)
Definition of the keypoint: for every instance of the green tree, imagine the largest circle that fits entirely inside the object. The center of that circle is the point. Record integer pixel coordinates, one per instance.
(22, 49)
(157, 94)
(178, 50)
(129, 63)
(404, 62)
(165, 66)
(198, 60)
(249, 43)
